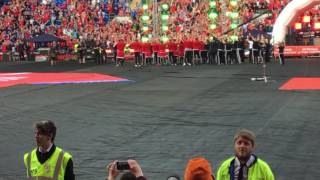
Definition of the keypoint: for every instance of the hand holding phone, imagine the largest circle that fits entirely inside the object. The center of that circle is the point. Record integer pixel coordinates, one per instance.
(123, 166)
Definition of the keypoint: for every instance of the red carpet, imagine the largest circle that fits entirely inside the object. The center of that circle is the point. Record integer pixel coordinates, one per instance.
(308, 83)
(12, 79)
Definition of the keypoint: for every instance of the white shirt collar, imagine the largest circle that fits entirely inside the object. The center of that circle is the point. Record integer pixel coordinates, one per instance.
(47, 150)
(248, 163)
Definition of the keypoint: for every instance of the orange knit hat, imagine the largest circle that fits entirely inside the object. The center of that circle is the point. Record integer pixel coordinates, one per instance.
(198, 168)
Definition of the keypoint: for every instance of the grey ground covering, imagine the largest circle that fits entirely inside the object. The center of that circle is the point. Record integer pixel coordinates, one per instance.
(167, 116)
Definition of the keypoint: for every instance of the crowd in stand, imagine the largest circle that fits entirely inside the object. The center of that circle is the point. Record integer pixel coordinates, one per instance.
(80, 21)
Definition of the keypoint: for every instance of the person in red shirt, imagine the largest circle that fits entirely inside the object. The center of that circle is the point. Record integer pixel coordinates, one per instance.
(179, 53)
(136, 46)
(196, 49)
(120, 52)
(187, 45)
(172, 47)
(147, 52)
(155, 49)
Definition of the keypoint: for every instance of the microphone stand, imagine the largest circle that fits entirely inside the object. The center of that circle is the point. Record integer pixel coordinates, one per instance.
(264, 72)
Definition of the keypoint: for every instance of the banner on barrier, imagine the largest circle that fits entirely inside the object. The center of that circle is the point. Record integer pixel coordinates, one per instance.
(299, 51)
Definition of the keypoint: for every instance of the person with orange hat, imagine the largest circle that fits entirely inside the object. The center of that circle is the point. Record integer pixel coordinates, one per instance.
(244, 165)
(198, 168)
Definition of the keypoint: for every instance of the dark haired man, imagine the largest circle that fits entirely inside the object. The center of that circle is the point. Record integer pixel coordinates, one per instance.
(244, 165)
(48, 161)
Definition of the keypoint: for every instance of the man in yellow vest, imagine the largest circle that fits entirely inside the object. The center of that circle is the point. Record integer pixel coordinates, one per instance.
(244, 165)
(48, 162)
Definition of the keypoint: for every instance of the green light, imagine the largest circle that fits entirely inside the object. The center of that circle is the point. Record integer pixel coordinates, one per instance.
(165, 7)
(126, 50)
(213, 26)
(145, 28)
(164, 28)
(145, 6)
(212, 4)
(213, 15)
(234, 38)
(164, 17)
(233, 2)
(164, 38)
(234, 15)
(144, 39)
(145, 17)
(233, 25)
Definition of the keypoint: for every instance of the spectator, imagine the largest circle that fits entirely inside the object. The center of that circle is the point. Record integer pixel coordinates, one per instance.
(133, 166)
(198, 169)
(281, 53)
(20, 50)
(244, 165)
(53, 54)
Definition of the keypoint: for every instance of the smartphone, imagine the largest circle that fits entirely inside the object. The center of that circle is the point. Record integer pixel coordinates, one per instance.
(123, 166)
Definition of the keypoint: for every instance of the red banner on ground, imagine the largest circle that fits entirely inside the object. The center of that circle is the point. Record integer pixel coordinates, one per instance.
(299, 51)
(12, 79)
(302, 83)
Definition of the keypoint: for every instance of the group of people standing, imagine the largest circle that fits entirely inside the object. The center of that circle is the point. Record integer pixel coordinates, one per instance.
(253, 49)
(49, 162)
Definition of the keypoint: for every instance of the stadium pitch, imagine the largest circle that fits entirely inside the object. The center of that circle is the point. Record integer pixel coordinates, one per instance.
(164, 116)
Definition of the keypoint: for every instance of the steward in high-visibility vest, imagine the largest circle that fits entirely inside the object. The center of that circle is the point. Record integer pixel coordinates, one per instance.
(48, 162)
(75, 47)
(244, 165)
(53, 168)
(258, 169)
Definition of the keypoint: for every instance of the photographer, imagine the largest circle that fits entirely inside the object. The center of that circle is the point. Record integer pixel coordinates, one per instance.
(135, 171)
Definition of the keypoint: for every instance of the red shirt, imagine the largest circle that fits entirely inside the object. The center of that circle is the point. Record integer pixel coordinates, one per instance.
(5, 8)
(120, 46)
(136, 46)
(155, 47)
(172, 46)
(4, 48)
(46, 17)
(162, 48)
(187, 44)
(198, 45)
(21, 23)
(146, 47)
(180, 50)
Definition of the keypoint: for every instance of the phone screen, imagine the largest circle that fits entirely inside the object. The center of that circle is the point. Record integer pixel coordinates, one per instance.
(123, 166)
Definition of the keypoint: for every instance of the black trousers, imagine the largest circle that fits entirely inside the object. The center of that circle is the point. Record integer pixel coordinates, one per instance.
(212, 56)
(21, 56)
(137, 57)
(222, 56)
(173, 59)
(189, 57)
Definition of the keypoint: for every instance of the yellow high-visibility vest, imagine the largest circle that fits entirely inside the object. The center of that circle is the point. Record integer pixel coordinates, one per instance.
(52, 169)
(259, 170)
(76, 47)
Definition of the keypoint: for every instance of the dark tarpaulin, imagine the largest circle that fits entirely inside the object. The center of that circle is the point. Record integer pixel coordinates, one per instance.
(43, 38)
